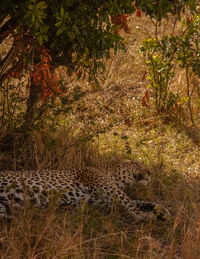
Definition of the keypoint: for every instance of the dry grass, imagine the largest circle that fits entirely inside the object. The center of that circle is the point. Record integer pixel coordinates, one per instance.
(88, 232)
(171, 147)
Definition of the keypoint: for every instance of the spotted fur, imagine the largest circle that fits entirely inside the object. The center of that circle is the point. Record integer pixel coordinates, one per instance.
(101, 186)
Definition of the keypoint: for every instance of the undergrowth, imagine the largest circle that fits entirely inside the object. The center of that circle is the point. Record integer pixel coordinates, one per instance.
(88, 232)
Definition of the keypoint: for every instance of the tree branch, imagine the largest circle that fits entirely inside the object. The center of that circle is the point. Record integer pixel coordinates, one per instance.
(7, 28)
(11, 55)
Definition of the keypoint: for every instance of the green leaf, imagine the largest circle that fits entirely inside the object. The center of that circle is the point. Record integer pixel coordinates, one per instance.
(59, 31)
(41, 5)
(40, 38)
(71, 35)
(76, 29)
(58, 24)
(40, 19)
(62, 12)
(33, 18)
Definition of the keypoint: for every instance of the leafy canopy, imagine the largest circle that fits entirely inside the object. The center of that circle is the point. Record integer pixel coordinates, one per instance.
(74, 31)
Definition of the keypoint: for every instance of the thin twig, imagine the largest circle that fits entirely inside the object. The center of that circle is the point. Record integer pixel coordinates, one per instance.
(174, 25)
(165, 27)
(188, 93)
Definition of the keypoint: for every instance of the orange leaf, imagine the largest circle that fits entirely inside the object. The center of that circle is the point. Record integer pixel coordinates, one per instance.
(125, 16)
(134, 5)
(58, 89)
(44, 84)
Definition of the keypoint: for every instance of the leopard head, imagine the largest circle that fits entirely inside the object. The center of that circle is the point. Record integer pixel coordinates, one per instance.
(129, 172)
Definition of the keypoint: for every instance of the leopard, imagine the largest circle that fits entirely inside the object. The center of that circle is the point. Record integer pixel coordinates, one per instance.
(103, 186)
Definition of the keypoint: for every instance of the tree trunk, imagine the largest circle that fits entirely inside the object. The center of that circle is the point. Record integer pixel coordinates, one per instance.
(31, 112)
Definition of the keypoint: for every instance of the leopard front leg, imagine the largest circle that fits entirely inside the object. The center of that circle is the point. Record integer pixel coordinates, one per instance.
(141, 210)
(113, 193)
(131, 206)
(5, 211)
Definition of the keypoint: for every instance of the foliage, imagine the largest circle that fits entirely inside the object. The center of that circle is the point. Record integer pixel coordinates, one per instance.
(67, 27)
(160, 66)
(42, 76)
(47, 35)
(164, 54)
(161, 9)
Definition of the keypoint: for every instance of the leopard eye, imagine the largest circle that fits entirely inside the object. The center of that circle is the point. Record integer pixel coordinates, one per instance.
(139, 177)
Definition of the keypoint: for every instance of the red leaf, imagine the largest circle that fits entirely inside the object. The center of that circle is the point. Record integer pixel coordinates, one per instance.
(138, 13)
(144, 103)
(146, 94)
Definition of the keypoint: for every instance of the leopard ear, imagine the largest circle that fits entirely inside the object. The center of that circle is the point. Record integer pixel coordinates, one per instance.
(125, 160)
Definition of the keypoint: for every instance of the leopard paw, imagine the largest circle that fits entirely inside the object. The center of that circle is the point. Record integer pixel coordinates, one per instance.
(161, 213)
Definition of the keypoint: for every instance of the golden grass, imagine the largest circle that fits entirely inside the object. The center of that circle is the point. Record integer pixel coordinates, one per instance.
(88, 232)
